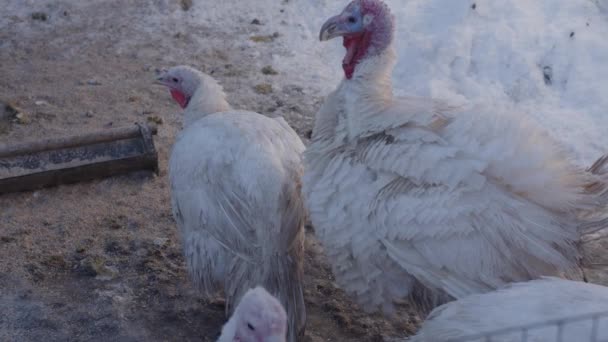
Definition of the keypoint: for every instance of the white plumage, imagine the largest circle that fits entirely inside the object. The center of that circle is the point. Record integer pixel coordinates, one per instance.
(412, 197)
(259, 317)
(235, 191)
(532, 303)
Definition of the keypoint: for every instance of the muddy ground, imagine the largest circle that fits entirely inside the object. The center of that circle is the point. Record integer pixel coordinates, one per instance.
(101, 261)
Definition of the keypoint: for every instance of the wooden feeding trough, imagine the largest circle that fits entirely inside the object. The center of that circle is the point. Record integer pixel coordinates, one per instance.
(49, 162)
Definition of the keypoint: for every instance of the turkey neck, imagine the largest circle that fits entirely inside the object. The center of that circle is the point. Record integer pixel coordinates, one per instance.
(208, 98)
(368, 93)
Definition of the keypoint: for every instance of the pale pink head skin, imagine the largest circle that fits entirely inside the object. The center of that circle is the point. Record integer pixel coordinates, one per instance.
(182, 82)
(367, 28)
(260, 318)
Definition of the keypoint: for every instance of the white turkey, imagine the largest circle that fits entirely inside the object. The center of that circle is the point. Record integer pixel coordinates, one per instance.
(534, 305)
(413, 198)
(235, 192)
(259, 317)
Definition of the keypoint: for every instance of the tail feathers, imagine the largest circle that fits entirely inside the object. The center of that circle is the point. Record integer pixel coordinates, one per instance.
(281, 276)
(598, 167)
(277, 265)
(598, 188)
(205, 259)
(424, 299)
(453, 285)
(594, 226)
(285, 282)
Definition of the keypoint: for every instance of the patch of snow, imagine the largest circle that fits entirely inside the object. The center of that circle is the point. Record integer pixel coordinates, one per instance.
(548, 58)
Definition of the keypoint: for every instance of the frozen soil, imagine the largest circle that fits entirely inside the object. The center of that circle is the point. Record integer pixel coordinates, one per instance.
(101, 261)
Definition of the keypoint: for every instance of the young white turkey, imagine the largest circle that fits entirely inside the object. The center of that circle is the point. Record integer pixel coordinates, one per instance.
(235, 192)
(415, 198)
(531, 305)
(259, 317)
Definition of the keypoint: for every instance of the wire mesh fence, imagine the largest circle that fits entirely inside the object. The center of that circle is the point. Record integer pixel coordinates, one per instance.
(583, 328)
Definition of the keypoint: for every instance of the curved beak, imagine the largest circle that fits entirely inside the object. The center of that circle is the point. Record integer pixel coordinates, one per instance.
(159, 81)
(333, 27)
(160, 78)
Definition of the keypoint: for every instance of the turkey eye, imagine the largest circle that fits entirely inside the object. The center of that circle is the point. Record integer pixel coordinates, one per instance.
(175, 80)
(352, 20)
(250, 327)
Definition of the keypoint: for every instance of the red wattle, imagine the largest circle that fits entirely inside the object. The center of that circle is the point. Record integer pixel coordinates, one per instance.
(356, 48)
(180, 98)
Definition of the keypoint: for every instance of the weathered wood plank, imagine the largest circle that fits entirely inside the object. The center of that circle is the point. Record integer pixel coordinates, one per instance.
(119, 133)
(101, 154)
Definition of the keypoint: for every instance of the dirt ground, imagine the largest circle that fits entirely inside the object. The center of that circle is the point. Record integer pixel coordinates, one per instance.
(101, 261)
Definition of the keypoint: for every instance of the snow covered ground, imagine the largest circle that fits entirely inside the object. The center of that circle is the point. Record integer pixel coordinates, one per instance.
(548, 58)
